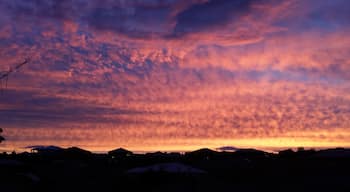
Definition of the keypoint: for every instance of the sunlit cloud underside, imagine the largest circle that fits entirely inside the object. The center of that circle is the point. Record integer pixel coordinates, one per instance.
(176, 75)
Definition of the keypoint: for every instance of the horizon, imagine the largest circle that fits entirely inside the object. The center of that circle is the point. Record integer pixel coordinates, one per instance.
(175, 75)
(274, 150)
(105, 150)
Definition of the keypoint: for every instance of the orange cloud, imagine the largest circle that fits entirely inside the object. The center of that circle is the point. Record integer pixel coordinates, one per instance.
(241, 77)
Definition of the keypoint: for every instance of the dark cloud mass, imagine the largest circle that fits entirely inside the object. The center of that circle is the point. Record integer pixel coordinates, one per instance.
(211, 14)
(175, 74)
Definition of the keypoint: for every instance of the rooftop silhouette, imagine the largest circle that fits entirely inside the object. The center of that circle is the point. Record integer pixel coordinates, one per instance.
(51, 168)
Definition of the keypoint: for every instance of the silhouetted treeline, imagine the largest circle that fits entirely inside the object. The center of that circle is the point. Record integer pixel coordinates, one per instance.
(73, 169)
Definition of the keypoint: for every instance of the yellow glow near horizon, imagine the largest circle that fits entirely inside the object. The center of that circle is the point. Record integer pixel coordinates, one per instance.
(306, 140)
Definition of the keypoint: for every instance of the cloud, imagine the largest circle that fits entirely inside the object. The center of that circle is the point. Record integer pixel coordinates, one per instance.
(155, 20)
(137, 22)
(211, 14)
(188, 72)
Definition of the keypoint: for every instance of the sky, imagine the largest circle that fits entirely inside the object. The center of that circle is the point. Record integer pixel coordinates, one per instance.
(175, 74)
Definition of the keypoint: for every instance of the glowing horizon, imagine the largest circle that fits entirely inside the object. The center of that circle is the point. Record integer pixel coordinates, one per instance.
(176, 74)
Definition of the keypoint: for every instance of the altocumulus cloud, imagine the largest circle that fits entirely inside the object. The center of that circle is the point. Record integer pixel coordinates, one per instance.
(181, 72)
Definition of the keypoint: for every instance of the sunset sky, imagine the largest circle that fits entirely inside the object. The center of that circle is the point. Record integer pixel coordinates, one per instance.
(175, 74)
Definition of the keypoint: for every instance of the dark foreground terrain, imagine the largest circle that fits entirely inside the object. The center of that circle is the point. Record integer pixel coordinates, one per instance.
(73, 169)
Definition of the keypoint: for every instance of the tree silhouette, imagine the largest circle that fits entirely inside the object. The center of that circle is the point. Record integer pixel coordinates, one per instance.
(1, 137)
